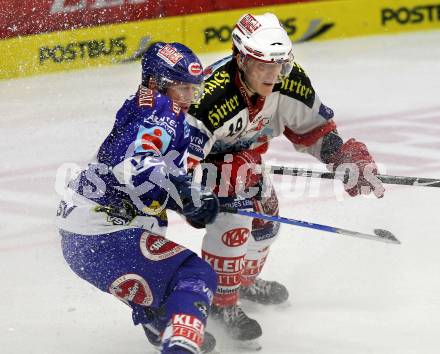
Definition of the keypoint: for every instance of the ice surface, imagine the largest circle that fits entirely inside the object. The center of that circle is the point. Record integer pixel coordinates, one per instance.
(347, 295)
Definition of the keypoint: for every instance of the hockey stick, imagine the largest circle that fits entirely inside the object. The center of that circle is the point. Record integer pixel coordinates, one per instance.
(379, 234)
(402, 180)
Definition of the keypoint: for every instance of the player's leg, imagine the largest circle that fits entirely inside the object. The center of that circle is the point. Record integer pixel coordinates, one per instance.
(224, 248)
(187, 307)
(226, 240)
(144, 271)
(264, 233)
(122, 263)
(178, 323)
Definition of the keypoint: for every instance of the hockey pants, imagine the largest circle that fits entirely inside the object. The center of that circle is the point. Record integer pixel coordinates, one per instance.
(168, 287)
(237, 246)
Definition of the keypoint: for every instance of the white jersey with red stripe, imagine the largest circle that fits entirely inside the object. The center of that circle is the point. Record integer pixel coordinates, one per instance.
(227, 120)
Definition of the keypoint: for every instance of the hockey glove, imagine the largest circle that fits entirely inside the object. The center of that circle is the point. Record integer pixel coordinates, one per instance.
(203, 214)
(241, 173)
(200, 207)
(354, 157)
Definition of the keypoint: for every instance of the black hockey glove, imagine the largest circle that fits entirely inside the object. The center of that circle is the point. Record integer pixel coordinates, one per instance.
(203, 214)
(200, 207)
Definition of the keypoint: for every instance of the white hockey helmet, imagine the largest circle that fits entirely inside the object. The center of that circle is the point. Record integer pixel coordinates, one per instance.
(262, 37)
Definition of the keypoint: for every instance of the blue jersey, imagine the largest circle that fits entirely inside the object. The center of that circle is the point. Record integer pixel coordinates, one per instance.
(127, 184)
(113, 221)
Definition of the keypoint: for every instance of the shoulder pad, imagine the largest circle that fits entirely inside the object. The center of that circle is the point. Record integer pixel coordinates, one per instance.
(298, 86)
(221, 100)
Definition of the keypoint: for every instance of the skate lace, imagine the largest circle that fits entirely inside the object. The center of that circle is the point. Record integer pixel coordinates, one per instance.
(260, 287)
(235, 315)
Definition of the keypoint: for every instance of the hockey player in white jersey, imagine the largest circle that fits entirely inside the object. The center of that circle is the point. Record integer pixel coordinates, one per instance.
(254, 95)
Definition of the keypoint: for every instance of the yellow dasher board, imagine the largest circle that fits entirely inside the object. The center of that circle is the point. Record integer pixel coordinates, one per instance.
(209, 32)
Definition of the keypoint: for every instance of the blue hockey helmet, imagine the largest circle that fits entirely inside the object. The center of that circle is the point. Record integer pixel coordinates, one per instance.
(165, 64)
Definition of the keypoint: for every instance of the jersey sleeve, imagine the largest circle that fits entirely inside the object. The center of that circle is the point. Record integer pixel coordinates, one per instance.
(201, 140)
(305, 118)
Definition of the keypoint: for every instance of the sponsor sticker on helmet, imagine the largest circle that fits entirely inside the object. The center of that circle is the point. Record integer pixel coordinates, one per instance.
(157, 248)
(195, 69)
(133, 288)
(249, 24)
(170, 54)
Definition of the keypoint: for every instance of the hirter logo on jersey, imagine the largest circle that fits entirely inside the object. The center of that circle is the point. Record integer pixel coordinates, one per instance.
(235, 237)
(170, 54)
(249, 24)
(157, 248)
(132, 288)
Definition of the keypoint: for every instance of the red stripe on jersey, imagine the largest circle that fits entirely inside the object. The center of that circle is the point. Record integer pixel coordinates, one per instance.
(262, 149)
(192, 163)
(311, 137)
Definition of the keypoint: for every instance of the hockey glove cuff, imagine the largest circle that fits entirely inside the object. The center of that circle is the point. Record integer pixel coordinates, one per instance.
(353, 157)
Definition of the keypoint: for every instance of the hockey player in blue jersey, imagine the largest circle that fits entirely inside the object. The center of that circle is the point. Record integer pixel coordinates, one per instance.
(113, 217)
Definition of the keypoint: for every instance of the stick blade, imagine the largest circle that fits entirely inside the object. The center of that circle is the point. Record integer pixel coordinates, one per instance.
(387, 236)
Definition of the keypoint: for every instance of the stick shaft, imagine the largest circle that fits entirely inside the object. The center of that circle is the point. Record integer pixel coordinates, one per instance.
(388, 179)
(388, 239)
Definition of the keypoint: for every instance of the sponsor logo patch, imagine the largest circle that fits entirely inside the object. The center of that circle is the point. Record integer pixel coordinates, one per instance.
(170, 54)
(223, 110)
(298, 88)
(132, 287)
(175, 108)
(254, 267)
(228, 265)
(195, 69)
(235, 237)
(154, 139)
(146, 97)
(230, 281)
(157, 248)
(249, 24)
(187, 332)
